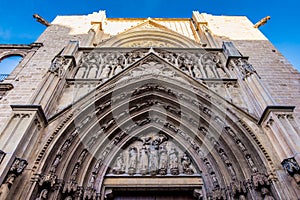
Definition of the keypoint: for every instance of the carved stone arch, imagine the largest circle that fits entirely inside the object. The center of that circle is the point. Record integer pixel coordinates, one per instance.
(149, 34)
(159, 87)
(9, 54)
(17, 50)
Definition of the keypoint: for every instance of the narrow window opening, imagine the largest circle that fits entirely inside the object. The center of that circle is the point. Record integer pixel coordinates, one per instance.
(8, 64)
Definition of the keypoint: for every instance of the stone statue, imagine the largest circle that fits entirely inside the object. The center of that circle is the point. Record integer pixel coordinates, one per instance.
(92, 181)
(153, 157)
(43, 195)
(186, 164)
(197, 72)
(173, 158)
(223, 155)
(163, 162)
(132, 162)
(119, 167)
(251, 163)
(241, 145)
(75, 171)
(68, 198)
(214, 180)
(231, 170)
(118, 69)
(105, 72)
(55, 163)
(5, 187)
(82, 156)
(144, 160)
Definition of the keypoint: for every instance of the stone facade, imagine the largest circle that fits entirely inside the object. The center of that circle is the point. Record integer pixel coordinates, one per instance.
(105, 108)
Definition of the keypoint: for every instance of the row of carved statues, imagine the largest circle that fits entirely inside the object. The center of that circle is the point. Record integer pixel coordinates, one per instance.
(155, 156)
(103, 65)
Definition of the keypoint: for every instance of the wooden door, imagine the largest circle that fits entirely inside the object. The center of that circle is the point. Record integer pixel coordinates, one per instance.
(154, 195)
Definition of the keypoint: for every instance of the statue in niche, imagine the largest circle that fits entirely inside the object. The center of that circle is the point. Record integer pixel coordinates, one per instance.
(251, 163)
(223, 155)
(197, 72)
(231, 170)
(208, 165)
(153, 156)
(82, 156)
(55, 163)
(43, 195)
(68, 198)
(92, 181)
(186, 164)
(173, 159)
(241, 145)
(118, 69)
(75, 172)
(214, 180)
(105, 72)
(266, 194)
(132, 162)
(119, 167)
(144, 160)
(5, 187)
(163, 162)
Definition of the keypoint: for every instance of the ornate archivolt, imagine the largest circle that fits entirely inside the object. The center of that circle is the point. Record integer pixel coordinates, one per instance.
(149, 123)
(149, 34)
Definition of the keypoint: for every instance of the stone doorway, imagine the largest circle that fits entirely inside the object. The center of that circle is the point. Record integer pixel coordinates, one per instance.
(149, 188)
(154, 195)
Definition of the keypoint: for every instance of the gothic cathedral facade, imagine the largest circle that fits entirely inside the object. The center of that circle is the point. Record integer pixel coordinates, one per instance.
(150, 108)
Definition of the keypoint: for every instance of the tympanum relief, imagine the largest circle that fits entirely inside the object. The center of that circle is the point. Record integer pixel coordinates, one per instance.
(153, 154)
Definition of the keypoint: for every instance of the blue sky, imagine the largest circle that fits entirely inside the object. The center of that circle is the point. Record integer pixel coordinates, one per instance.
(283, 30)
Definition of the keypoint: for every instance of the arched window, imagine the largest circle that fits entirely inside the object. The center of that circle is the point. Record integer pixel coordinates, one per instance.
(7, 64)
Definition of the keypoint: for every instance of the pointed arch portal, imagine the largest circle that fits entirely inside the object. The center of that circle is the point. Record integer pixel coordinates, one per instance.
(152, 128)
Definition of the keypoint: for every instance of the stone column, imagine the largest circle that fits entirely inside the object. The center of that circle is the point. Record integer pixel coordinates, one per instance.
(21, 131)
(55, 79)
(259, 97)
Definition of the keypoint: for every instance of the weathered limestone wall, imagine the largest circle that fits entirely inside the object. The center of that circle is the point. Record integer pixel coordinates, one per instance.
(281, 79)
(28, 76)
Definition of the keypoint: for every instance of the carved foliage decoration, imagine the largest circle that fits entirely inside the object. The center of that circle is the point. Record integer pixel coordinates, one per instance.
(153, 154)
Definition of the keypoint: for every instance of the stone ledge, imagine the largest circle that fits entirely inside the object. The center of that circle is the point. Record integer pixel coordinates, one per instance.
(270, 109)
